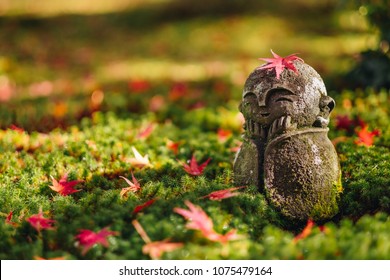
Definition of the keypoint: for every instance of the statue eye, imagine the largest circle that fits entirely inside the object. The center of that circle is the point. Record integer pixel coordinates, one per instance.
(284, 98)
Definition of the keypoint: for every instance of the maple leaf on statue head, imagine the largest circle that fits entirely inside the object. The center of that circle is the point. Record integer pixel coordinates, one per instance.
(193, 167)
(279, 63)
(63, 187)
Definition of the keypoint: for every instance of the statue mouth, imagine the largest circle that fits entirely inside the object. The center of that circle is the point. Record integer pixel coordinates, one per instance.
(264, 115)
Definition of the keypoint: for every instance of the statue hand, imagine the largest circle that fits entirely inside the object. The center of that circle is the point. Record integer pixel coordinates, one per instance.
(280, 126)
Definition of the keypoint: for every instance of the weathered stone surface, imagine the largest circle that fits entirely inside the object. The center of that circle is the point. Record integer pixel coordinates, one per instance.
(286, 151)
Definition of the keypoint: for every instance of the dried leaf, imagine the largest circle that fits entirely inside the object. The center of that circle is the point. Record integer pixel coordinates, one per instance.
(139, 160)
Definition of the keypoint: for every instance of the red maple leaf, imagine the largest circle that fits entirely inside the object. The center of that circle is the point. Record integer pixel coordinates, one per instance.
(306, 231)
(199, 220)
(366, 138)
(39, 222)
(63, 187)
(87, 238)
(133, 186)
(173, 146)
(193, 168)
(157, 248)
(348, 124)
(9, 218)
(222, 194)
(139, 86)
(146, 132)
(279, 63)
(16, 128)
(139, 208)
(223, 134)
(344, 122)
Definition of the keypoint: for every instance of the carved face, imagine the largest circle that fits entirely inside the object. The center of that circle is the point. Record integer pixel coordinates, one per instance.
(267, 99)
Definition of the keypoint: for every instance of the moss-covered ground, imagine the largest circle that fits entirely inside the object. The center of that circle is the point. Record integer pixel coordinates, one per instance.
(54, 121)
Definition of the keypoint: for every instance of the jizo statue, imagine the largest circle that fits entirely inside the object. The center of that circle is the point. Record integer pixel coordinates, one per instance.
(286, 151)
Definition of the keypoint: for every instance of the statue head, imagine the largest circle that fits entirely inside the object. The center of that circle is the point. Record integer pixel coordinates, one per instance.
(301, 95)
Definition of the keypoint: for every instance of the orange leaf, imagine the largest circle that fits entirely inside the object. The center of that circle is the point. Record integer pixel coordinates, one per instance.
(306, 231)
(366, 138)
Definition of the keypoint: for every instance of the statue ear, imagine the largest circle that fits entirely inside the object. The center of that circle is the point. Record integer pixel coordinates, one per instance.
(327, 104)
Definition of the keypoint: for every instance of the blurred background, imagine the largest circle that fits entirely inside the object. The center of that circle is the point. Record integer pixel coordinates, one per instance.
(61, 61)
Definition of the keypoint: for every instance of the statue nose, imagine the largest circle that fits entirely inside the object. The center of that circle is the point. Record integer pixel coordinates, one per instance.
(261, 101)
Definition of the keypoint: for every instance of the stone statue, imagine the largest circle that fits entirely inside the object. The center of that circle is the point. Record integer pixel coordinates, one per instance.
(286, 151)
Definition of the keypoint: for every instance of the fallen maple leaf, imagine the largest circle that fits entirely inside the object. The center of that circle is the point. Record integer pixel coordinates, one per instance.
(173, 146)
(157, 248)
(63, 187)
(279, 63)
(139, 160)
(38, 258)
(39, 222)
(139, 86)
(222, 194)
(199, 220)
(139, 208)
(87, 238)
(9, 218)
(16, 128)
(133, 186)
(366, 138)
(146, 132)
(346, 123)
(193, 168)
(305, 232)
(223, 134)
